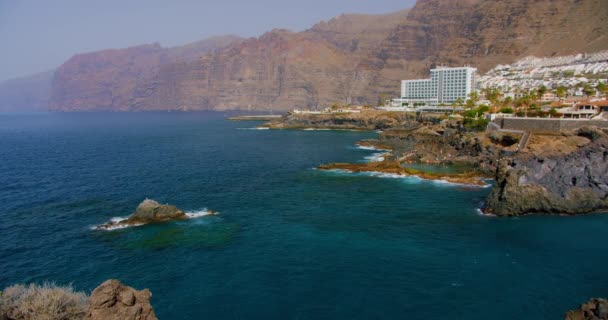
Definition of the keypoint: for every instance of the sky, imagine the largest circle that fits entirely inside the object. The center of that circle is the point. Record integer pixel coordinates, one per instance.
(39, 35)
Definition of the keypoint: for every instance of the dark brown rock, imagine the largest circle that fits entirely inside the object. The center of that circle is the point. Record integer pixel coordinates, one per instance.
(151, 211)
(148, 211)
(571, 182)
(112, 300)
(594, 309)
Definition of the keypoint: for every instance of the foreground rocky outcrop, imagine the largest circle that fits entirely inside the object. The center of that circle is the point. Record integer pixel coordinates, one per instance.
(594, 309)
(149, 211)
(112, 300)
(570, 180)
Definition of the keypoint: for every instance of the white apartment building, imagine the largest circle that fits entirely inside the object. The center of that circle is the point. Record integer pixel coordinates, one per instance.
(446, 85)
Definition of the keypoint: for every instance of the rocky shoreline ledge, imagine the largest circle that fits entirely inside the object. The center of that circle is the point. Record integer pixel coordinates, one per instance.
(394, 167)
(562, 173)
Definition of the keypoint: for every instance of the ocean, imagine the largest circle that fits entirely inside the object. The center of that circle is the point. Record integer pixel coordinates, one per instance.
(290, 242)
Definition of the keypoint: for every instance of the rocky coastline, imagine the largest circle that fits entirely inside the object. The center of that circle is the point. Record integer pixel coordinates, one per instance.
(551, 174)
(394, 167)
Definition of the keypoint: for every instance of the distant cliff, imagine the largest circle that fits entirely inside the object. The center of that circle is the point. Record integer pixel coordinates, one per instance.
(110, 79)
(30, 93)
(354, 59)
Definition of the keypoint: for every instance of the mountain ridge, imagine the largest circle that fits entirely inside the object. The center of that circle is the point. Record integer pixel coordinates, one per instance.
(352, 58)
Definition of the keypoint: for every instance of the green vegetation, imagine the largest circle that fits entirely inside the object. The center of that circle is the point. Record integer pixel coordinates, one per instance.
(588, 90)
(553, 112)
(47, 301)
(506, 110)
(474, 120)
(602, 88)
(476, 124)
(561, 91)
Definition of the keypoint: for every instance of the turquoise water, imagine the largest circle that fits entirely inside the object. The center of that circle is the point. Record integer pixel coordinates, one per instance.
(291, 242)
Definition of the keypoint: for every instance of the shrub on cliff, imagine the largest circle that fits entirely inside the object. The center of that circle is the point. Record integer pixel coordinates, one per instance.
(42, 302)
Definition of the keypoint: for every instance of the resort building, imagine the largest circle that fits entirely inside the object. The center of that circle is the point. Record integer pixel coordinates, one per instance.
(446, 86)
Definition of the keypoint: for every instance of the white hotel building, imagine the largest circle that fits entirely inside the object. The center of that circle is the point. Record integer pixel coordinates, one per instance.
(445, 86)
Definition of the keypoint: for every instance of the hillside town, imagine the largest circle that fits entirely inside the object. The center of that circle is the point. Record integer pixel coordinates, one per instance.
(570, 87)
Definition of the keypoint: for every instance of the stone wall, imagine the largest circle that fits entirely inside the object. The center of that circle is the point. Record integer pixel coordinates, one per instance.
(547, 124)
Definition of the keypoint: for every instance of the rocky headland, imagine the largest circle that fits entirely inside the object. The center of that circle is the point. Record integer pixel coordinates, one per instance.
(149, 211)
(559, 173)
(564, 174)
(366, 120)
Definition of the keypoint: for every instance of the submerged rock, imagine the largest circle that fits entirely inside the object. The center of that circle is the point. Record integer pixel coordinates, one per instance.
(112, 300)
(594, 309)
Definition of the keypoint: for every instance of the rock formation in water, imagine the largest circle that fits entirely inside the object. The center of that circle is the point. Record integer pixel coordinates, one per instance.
(112, 300)
(594, 309)
(566, 177)
(148, 211)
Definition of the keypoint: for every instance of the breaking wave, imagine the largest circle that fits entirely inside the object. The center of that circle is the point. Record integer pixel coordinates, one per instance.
(255, 128)
(199, 214)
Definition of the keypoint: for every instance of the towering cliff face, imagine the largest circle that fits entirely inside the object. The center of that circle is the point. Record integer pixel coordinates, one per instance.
(279, 70)
(104, 80)
(108, 79)
(484, 33)
(349, 59)
(359, 33)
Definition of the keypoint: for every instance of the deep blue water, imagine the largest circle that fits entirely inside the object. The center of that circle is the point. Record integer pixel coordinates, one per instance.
(291, 242)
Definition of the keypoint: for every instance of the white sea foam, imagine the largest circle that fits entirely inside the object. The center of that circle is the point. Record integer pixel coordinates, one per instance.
(118, 219)
(256, 128)
(366, 148)
(376, 157)
(455, 184)
(370, 148)
(483, 214)
(199, 213)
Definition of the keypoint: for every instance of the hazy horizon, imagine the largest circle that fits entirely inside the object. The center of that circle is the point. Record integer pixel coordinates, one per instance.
(40, 38)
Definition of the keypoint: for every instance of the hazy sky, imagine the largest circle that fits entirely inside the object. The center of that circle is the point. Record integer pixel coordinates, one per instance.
(38, 35)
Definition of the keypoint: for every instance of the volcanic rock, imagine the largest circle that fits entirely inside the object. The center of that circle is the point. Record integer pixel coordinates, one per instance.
(594, 309)
(112, 300)
(149, 211)
(571, 182)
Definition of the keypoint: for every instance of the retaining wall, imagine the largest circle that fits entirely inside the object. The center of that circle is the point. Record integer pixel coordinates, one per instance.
(547, 124)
